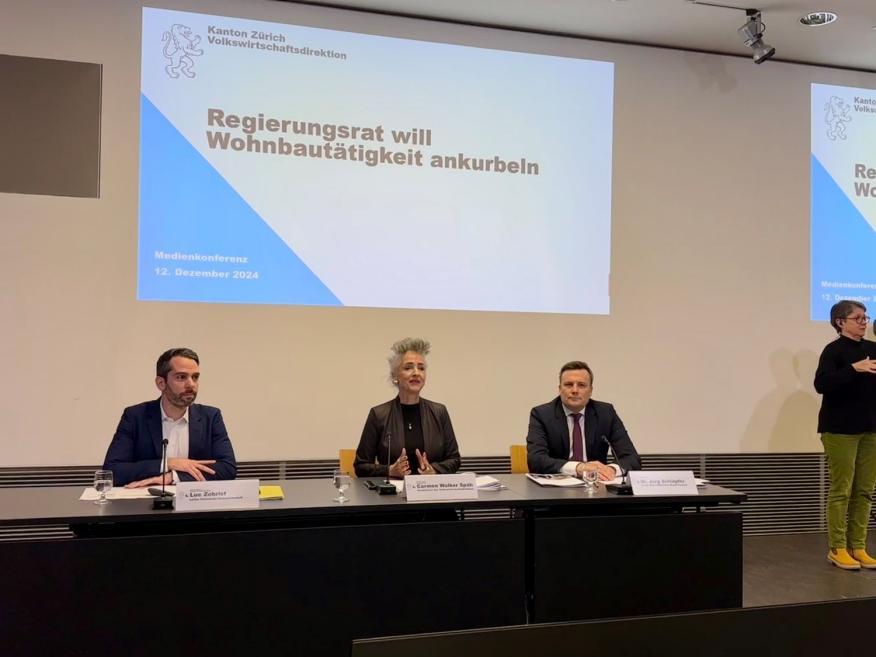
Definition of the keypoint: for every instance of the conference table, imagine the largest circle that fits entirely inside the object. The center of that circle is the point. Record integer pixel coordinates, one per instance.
(305, 575)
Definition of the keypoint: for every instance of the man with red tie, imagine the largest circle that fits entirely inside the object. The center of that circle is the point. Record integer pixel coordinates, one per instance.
(573, 431)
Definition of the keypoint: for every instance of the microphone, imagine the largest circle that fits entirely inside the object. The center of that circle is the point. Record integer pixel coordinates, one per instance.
(624, 487)
(388, 457)
(387, 487)
(611, 449)
(165, 499)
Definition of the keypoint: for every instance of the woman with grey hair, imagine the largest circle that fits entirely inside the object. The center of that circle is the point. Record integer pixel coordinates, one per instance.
(408, 434)
(846, 378)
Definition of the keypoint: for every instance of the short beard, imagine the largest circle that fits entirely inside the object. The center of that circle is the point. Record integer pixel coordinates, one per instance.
(178, 401)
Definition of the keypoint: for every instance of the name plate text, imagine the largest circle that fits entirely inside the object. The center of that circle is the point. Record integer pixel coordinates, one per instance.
(462, 486)
(663, 482)
(216, 495)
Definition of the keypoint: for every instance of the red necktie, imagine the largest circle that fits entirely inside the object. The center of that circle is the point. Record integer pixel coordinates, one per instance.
(577, 440)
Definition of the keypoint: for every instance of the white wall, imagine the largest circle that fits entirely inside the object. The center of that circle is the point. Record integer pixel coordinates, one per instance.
(708, 346)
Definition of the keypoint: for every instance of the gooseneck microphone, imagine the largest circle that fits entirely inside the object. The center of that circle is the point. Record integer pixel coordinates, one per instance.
(624, 487)
(616, 459)
(388, 457)
(387, 487)
(164, 499)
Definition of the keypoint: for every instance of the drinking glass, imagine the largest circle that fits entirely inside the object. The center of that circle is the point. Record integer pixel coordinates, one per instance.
(103, 484)
(342, 481)
(591, 477)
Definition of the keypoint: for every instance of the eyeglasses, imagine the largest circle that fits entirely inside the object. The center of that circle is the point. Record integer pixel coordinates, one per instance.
(861, 320)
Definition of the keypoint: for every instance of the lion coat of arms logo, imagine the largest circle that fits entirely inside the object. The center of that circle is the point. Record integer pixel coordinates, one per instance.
(180, 45)
(836, 115)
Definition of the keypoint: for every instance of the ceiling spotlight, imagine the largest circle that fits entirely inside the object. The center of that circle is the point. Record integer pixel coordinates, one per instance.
(752, 34)
(818, 18)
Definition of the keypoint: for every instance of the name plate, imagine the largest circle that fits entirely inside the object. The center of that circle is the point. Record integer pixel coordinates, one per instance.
(663, 482)
(423, 488)
(216, 495)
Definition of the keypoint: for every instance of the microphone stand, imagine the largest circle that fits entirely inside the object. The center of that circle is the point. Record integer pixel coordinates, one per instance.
(388, 455)
(165, 500)
(387, 487)
(624, 487)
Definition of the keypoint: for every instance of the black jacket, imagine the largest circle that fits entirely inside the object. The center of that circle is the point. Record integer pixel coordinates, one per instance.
(384, 428)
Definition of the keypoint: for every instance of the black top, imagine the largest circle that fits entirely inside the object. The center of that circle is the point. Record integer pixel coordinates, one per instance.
(413, 434)
(849, 397)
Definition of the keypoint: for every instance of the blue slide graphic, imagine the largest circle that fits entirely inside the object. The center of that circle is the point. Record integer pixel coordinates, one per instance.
(187, 208)
(309, 166)
(843, 243)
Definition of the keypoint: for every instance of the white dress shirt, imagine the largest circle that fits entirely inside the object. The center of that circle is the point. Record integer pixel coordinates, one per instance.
(176, 433)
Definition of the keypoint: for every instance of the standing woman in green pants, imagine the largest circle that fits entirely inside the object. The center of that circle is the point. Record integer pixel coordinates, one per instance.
(846, 377)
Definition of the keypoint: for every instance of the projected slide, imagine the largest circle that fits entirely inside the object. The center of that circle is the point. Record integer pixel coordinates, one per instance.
(291, 165)
(843, 197)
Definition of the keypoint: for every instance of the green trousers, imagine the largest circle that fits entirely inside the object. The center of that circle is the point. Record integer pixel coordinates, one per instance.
(852, 462)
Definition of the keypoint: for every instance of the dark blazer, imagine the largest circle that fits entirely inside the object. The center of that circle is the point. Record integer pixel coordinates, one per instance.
(384, 428)
(548, 440)
(135, 451)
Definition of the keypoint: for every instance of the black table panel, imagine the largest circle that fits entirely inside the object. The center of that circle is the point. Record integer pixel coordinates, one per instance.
(278, 592)
(599, 566)
(304, 576)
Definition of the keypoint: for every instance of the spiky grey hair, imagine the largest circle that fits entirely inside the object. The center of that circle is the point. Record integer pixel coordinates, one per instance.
(400, 348)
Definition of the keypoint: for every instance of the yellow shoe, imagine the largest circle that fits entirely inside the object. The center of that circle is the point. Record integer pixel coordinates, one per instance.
(841, 558)
(860, 555)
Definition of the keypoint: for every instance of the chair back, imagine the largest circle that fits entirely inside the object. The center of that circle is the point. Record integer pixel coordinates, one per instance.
(346, 458)
(519, 464)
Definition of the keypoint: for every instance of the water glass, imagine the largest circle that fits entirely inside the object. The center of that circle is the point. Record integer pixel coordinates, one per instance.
(103, 484)
(591, 477)
(342, 481)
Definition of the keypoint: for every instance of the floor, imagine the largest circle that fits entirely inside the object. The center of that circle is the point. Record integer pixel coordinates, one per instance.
(793, 568)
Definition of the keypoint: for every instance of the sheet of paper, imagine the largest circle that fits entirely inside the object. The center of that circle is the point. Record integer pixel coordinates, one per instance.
(486, 482)
(559, 480)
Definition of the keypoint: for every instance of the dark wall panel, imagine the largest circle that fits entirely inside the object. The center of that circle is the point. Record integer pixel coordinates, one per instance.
(49, 126)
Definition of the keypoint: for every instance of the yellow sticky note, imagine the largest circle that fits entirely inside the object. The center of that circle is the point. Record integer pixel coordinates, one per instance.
(270, 492)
